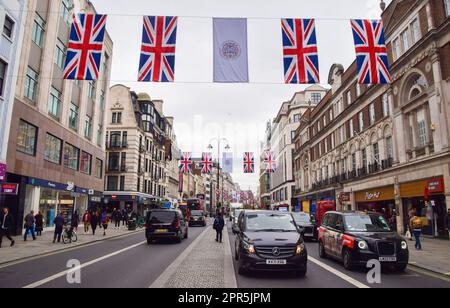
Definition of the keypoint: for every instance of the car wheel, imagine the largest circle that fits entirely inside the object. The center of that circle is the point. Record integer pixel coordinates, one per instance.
(322, 252)
(149, 241)
(347, 259)
(301, 273)
(401, 267)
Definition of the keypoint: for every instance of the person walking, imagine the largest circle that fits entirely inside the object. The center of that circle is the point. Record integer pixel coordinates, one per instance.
(29, 226)
(75, 221)
(219, 224)
(86, 219)
(124, 217)
(94, 222)
(39, 222)
(118, 219)
(59, 226)
(105, 222)
(6, 225)
(416, 227)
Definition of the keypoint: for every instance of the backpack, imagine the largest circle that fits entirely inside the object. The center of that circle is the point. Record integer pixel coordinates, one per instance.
(216, 223)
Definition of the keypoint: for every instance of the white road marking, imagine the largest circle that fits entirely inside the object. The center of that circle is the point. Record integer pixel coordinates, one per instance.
(341, 275)
(64, 273)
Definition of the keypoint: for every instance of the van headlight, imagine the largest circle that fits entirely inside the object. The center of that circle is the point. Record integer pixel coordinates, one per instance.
(404, 245)
(362, 245)
(300, 248)
(250, 248)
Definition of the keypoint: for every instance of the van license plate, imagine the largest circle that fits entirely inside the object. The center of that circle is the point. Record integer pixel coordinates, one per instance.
(161, 231)
(276, 262)
(388, 259)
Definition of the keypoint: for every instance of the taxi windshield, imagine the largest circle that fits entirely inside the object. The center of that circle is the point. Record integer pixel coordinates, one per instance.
(366, 223)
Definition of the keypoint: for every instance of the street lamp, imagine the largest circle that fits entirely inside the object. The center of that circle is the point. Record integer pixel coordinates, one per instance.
(210, 147)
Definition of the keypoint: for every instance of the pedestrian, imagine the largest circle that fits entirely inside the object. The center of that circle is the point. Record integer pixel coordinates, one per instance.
(94, 222)
(86, 219)
(75, 221)
(105, 222)
(117, 219)
(219, 224)
(59, 226)
(29, 226)
(124, 217)
(6, 225)
(39, 222)
(416, 227)
(448, 222)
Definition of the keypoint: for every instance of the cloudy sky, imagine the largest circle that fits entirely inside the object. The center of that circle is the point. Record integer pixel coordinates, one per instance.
(238, 112)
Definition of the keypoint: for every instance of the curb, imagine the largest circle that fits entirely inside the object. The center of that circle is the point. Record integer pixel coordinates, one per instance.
(230, 274)
(67, 248)
(428, 269)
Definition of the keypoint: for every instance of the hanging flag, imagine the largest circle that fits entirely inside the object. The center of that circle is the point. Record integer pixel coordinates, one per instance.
(301, 60)
(249, 162)
(230, 50)
(207, 163)
(227, 162)
(371, 52)
(270, 162)
(159, 39)
(186, 163)
(84, 50)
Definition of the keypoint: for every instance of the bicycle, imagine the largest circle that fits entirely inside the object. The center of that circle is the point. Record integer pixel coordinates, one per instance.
(69, 235)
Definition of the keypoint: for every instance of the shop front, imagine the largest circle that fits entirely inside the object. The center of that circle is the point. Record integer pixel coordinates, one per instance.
(380, 200)
(308, 203)
(135, 203)
(426, 198)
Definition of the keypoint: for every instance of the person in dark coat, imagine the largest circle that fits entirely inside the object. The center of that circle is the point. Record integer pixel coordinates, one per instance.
(29, 226)
(59, 226)
(124, 217)
(6, 225)
(75, 221)
(94, 222)
(219, 224)
(117, 218)
(39, 222)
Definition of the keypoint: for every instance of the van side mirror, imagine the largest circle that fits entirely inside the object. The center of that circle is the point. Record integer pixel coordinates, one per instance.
(235, 229)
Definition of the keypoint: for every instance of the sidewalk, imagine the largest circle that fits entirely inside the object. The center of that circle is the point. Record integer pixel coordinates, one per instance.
(434, 257)
(44, 245)
(204, 264)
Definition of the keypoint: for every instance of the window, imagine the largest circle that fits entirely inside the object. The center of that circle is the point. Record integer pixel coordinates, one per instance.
(372, 113)
(122, 183)
(376, 152)
(405, 40)
(316, 97)
(421, 126)
(27, 138)
(386, 108)
(112, 183)
(31, 83)
(91, 90)
(116, 118)
(352, 129)
(296, 118)
(330, 115)
(3, 69)
(66, 8)
(123, 161)
(71, 157)
(354, 162)
(361, 121)
(113, 163)
(8, 27)
(53, 147)
(397, 49)
(349, 97)
(60, 54)
(88, 127)
(389, 148)
(86, 163)
(54, 104)
(364, 158)
(37, 34)
(415, 31)
(98, 168)
(447, 7)
(292, 136)
(358, 89)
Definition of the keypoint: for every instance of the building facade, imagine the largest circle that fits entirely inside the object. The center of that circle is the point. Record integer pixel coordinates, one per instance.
(56, 147)
(386, 148)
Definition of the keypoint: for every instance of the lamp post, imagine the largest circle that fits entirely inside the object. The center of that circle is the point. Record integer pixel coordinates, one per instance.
(210, 147)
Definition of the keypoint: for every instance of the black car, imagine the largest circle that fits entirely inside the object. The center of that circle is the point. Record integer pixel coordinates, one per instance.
(307, 225)
(197, 218)
(357, 237)
(269, 241)
(165, 224)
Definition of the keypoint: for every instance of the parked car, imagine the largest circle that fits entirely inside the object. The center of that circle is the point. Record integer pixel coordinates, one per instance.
(356, 237)
(235, 217)
(165, 224)
(269, 241)
(197, 218)
(307, 225)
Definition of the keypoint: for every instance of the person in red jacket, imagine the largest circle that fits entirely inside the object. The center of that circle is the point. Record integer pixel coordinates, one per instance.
(86, 221)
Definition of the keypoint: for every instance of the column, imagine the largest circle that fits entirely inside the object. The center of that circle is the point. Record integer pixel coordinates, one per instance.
(440, 112)
(399, 207)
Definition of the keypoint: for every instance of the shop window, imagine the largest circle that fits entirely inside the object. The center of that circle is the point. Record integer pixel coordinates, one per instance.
(71, 157)
(53, 147)
(86, 163)
(47, 206)
(27, 138)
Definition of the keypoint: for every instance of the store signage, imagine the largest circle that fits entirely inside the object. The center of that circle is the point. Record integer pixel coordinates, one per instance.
(2, 172)
(344, 197)
(91, 192)
(436, 185)
(70, 186)
(373, 195)
(9, 189)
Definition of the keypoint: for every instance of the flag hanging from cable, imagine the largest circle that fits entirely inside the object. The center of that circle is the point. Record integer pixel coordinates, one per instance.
(270, 162)
(186, 163)
(227, 162)
(207, 163)
(249, 162)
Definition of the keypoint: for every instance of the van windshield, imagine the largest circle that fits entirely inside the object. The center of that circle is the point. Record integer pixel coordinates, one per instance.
(270, 222)
(161, 217)
(366, 223)
(197, 213)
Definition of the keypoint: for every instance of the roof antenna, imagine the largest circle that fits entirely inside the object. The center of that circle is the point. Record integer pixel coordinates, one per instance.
(382, 5)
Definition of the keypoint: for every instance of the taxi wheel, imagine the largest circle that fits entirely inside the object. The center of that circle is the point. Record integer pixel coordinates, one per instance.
(347, 259)
(401, 267)
(322, 252)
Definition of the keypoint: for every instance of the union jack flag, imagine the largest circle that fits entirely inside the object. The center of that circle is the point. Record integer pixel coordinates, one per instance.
(301, 60)
(159, 39)
(186, 163)
(84, 50)
(206, 163)
(249, 162)
(371, 52)
(269, 161)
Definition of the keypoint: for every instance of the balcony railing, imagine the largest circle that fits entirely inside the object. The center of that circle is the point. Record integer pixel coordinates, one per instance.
(116, 145)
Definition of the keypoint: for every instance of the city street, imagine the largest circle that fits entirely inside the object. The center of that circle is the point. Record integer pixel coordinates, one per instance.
(107, 264)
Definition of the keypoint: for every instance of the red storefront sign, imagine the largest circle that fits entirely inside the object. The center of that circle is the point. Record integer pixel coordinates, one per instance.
(435, 185)
(9, 189)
